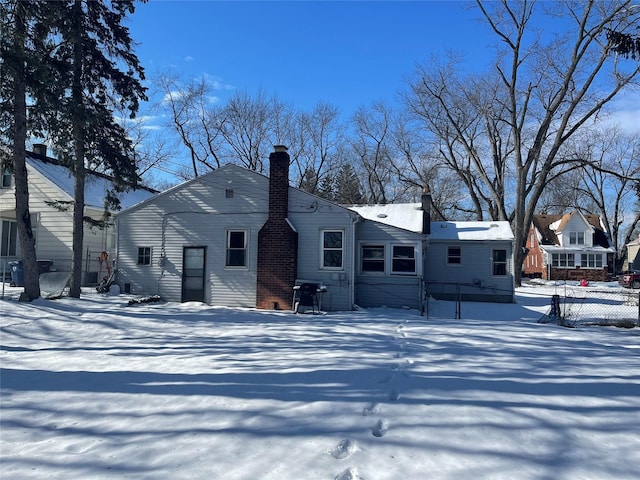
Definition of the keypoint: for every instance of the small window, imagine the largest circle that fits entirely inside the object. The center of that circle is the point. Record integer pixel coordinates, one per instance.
(576, 238)
(499, 263)
(236, 248)
(229, 193)
(144, 255)
(332, 249)
(6, 178)
(454, 256)
(373, 258)
(404, 259)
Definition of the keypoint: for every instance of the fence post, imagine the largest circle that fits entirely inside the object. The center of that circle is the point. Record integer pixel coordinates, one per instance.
(458, 302)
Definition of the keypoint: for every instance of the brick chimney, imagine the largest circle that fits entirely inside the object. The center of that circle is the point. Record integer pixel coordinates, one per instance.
(277, 240)
(40, 149)
(426, 211)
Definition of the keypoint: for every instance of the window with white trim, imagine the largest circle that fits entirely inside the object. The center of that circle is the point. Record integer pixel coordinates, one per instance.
(7, 178)
(8, 241)
(563, 260)
(403, 259)
(372, 258)
(144, 255)
(332, 249)
(499, 263)
(236, 248)
(591, 260)
(576, 238)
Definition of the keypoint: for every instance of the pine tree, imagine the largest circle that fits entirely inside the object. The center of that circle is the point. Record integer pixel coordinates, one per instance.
(94, 44)
(23, 46)
(348, 189)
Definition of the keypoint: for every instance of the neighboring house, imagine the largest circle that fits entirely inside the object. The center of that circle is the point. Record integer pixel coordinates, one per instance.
(570, 246)
(50, 204)
(633, 255)
(472, 261)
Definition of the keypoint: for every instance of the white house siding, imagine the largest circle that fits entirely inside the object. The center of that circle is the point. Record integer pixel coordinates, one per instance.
(473, 276)
(310, 215)
(53, 227)
(391, 290)
(195, 214)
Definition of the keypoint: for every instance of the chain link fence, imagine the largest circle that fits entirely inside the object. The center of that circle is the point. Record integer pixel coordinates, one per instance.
(573, 307)
(580, 307)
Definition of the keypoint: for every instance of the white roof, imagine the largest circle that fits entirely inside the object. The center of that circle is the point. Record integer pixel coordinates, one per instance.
(96, 186)
(576, 249)
(407, 216)
(492, 230)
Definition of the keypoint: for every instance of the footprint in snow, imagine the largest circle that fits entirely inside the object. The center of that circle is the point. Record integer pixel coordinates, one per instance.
(349, 474)
(380, 428)
(394, 395)
(370, 409)
(344, 449)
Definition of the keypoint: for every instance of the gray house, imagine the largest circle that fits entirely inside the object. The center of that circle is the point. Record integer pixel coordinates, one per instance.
(234, 237)
(472, 261)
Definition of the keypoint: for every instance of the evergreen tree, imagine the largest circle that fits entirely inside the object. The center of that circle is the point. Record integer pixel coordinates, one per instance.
(94, 45)
(23, 72)
(348, 189)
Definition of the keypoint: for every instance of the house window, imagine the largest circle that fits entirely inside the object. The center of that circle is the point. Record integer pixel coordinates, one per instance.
(403, 259)
(8, 240)
(563, 260)
(454, 256)
(236, 248)
(373, 258)
(144, 255)
(499, 262)
(332, 249)
(6, 178)
(576, 238)
(228, 193)
(591, 260)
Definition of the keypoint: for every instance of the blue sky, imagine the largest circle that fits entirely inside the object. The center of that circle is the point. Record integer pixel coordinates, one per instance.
(346, 53)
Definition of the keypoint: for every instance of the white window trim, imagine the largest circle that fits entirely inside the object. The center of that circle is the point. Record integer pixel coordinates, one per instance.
(150, 256)
(246, 249)
(384, 259)
(416, 258)
(388, 258)
(342, 249)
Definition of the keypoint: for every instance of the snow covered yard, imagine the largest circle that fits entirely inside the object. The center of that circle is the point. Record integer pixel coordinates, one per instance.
(96, 389)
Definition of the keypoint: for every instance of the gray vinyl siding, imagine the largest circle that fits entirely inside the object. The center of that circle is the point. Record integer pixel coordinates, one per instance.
(310, 216)
(388, 289)
(474, 275)
(195, 214)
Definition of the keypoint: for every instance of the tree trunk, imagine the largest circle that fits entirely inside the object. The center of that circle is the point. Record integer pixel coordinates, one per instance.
(79, 151)
(23, 216)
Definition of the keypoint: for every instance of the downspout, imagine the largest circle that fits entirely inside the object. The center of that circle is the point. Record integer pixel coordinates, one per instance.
(354, 260)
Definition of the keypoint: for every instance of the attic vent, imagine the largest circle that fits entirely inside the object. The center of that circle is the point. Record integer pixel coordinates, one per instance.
(382, 215)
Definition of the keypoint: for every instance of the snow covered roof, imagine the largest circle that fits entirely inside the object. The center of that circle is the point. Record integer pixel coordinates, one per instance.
(493, 230)
(407, 216)
(96, 186)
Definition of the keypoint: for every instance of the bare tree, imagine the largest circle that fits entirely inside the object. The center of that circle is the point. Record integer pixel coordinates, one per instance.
(549, 84)
(608, 180)
(195, 117)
